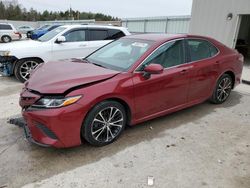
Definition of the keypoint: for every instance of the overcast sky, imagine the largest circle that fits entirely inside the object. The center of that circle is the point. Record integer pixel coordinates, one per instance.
(119, 8)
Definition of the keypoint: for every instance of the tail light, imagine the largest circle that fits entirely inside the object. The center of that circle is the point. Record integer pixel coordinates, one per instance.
(19, 34)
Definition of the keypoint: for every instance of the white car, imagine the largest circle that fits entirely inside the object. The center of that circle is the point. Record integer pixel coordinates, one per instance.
(24, 29)
(72, 41)
(8, 33)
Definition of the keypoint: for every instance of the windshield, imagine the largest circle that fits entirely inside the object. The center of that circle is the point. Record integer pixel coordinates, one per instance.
(121, 54)
(51, 34)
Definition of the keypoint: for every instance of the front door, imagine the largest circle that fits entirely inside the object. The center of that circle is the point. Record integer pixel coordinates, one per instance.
(163, 91)
(75, 46)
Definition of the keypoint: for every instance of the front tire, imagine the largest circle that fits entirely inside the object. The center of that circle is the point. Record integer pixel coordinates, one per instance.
(24, 67)
(222, 90)
(104, 123)
(6, 39)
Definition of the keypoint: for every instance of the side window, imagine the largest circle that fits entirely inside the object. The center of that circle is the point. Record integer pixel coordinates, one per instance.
(169, 55)
(98, 34)
(201, 49)
(5, 27)
(75, 36)
(115, 34)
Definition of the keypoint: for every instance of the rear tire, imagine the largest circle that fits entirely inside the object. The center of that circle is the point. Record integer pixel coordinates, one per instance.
(24, 67)
(6, 39)
(104, 123)
(222, 90)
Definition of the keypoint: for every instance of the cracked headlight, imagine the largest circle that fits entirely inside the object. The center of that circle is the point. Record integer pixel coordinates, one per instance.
(54, 102)
(4, 53)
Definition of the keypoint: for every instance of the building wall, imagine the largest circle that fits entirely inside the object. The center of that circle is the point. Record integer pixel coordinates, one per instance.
(173, 25)
(209, 18)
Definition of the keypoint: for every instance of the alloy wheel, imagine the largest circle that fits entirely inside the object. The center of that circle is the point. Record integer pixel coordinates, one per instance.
(107, 124)
(6, 39)
(224, 89)
(26, 69)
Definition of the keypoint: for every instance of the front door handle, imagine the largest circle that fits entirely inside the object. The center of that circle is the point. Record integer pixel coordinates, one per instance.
(186, 69)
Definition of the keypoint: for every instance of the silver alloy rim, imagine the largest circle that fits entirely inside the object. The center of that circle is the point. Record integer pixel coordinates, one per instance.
(224, 89)
(26, 69)
(6, 39)
(107, 124)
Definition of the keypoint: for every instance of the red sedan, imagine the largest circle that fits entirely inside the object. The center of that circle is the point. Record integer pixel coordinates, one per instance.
(129, 81)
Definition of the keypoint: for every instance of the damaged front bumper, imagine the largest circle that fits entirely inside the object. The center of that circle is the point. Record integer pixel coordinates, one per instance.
(28, 136)
(20, 122)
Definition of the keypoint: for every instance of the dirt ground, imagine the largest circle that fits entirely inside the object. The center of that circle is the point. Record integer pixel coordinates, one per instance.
(202, 146)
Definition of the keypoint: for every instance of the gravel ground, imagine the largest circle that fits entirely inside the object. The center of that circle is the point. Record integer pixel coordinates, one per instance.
(202, 146)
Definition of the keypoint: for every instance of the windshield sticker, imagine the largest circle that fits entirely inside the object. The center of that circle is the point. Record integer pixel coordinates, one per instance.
(140, 44)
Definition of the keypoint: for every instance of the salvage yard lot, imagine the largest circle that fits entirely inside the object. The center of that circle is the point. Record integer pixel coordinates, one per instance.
(203, 146)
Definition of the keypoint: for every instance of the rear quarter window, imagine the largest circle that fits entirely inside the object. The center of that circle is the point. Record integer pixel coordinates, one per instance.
(115, 34)
(201, 49)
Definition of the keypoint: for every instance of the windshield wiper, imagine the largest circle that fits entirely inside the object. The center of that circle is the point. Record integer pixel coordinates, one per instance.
(99, 65)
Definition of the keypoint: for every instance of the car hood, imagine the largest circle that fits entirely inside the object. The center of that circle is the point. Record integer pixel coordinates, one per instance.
(58, 77)
(18, 45)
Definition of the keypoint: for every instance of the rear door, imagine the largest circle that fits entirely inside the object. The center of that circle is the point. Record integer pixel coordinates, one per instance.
(204, 72)
(75, 46)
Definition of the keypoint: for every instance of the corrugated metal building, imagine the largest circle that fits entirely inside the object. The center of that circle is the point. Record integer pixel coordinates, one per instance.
(172, 24)
(225, 20)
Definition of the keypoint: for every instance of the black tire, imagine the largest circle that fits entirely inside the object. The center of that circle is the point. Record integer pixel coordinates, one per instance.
(25, 65)
(222, 90)
(6, 39)
(107, 133)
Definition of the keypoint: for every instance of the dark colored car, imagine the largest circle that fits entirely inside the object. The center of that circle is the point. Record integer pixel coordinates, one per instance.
(129, 81)
(41, 31)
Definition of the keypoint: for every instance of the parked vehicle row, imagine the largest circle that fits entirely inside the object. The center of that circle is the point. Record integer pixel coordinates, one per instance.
(126, 82)
(73, 41)
(37, 33)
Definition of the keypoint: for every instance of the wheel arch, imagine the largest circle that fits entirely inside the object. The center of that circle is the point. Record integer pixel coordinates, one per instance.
(232, 75)
(126, 106)
(15, 63)
(116, 99)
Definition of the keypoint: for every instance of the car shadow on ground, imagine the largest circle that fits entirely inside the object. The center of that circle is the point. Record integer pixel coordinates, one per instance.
(32, 163)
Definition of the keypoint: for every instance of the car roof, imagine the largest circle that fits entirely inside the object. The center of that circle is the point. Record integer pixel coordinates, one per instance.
(92, 26)
(163, 37)
(5, 24)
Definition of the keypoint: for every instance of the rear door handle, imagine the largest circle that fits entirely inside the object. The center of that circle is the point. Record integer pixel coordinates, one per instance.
(185, 70)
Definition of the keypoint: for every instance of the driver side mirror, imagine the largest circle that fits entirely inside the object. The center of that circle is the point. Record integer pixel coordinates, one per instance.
(60, 39)
(152, 69)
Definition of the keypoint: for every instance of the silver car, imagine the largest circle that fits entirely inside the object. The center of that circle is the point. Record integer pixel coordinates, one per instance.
(8, 33)
(24, 29)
